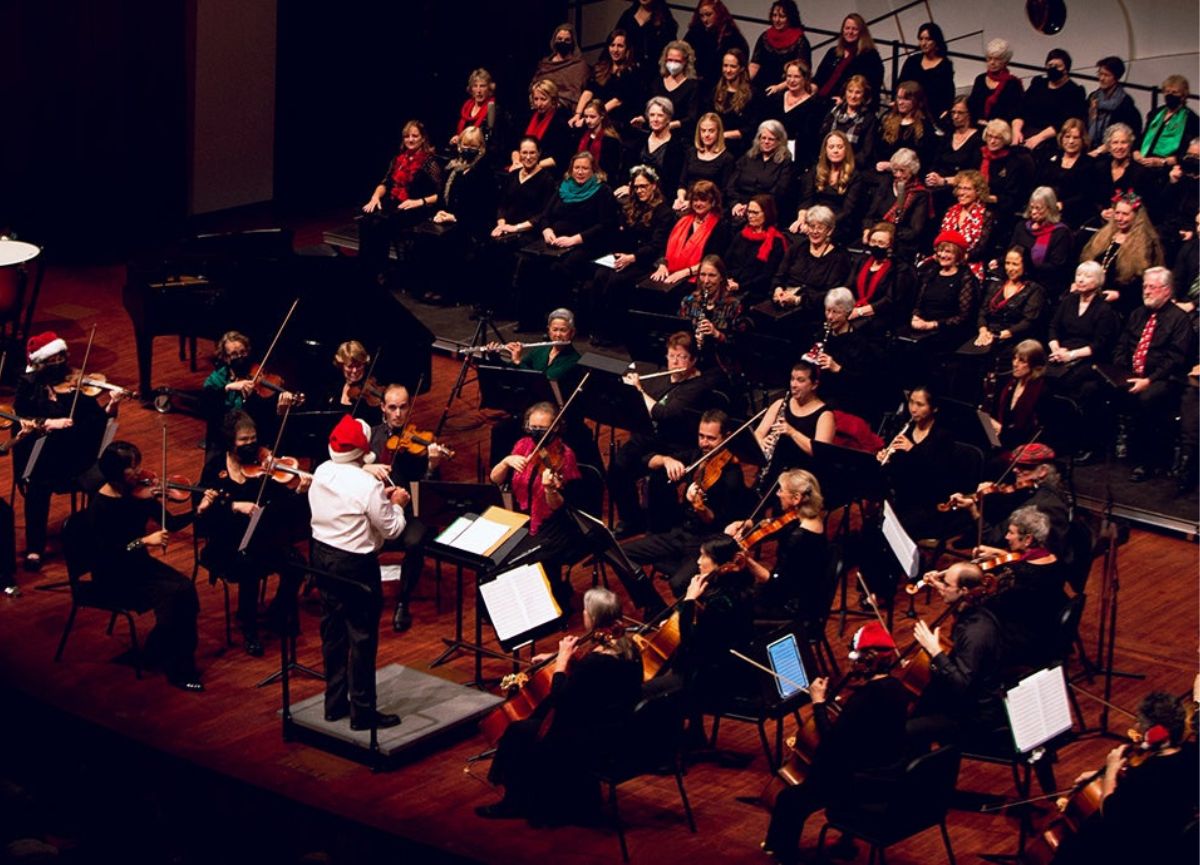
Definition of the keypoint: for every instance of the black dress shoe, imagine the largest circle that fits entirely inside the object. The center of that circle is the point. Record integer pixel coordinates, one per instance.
(187, 683)
(401, 619)
(1140, 474)
(502, 810)
(332, 716)
(32, 563)
(382, 722)
(253, 647)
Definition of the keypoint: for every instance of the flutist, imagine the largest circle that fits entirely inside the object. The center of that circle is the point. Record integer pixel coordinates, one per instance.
(919, 466)
(555, 357)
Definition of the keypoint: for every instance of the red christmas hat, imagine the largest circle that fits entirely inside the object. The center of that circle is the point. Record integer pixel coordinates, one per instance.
(43, 346)
(350, 441)
(872, 635)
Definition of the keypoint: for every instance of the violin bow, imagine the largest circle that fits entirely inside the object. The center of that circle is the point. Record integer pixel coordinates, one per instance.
(162, 494)
(762, 502)
(86, 354)
(561, 412)
(862, 584)
(287, 410)
(263, 365)
(767, 669)
(725, 441)
(1012, 464)
(363, 390)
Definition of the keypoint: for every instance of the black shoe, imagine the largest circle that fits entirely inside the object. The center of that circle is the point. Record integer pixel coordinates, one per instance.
(187, 683)
(382, 722)
(502, 810)
(32, 563)
(253, 647)
(627, 529)
(332, 716)
(401, 619)
(1140, 474)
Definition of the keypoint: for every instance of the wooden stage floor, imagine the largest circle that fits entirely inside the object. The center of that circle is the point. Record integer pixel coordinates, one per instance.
(232, 729)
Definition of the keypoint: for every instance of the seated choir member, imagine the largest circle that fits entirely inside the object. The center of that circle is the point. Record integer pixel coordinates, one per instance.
(73, 431)
(859, 747)
(884, 286)
(703, 510)
(126, 572)
(903, 201)
(396, 465)
(544, 762)
(808, 270)
(224, 526)
(791, 588)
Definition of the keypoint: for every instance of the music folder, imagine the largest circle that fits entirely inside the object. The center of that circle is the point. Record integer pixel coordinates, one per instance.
(519, 602)
(1038, 709)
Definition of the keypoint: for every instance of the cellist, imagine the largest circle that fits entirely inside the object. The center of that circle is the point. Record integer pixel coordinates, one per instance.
(858, 749)
(1148, 794)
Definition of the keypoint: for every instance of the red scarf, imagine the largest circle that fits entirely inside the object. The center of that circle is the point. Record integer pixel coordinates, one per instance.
(781, 40)
(1002, 79)
(767, 240)
(685, 247)
(899, 208)
(404, 168)
(988, 155)
(591, 145)
(835, 78)
(537, 127)
(465, 119)
(868, 283)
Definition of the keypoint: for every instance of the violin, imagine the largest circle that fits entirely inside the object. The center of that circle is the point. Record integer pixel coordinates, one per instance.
(985, 565)
(368, 390)
(766, 528)
(8, 417)
(993, 489)
(413, 441)
(709, 475)
(92, 384)
(550, 456)
(285, 470)
(266, 385)
(177, 488)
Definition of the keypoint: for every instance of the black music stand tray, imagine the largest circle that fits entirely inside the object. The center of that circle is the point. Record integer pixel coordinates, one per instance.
(767, 361)
(648, 332)
(513, 389)
(482, 566)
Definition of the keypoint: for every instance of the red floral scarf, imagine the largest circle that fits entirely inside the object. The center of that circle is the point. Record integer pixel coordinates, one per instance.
(404, 168)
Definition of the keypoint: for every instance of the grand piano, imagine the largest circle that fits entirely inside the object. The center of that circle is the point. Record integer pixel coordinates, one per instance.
(246, 281)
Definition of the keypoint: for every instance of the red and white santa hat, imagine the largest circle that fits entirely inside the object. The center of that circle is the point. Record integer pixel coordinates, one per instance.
(872, 635)
(350, 441)
(43, 346)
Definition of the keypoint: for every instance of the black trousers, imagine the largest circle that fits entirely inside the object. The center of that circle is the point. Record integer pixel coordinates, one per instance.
(674, 551)
(172, 642)
(412, 542)
(350, 609)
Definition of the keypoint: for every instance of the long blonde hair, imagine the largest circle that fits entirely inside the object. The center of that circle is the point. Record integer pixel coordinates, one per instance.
(823, 167)
(1142, 248)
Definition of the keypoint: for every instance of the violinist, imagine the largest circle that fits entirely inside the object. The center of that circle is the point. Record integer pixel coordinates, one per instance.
(351, 386)
(1033, 598)
(791, 588)
(670, 402)
(1036, 483)
(1147, 797)
(126, 571)
(397, 465)
(711, 500)
(353, 513)
(8, 529)
(224, 527)
(859, 749)
(545, 767)
(231, 385)
(73, 428)
(538, 481)
(962, 699)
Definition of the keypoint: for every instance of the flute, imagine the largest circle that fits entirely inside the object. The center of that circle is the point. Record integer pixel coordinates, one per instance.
(651, 375)
(476, 350)
(891, 449)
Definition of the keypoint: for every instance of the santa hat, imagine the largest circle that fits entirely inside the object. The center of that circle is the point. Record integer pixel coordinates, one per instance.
(1155, 738)
(43, 346)
(871, 636)
(350, 441)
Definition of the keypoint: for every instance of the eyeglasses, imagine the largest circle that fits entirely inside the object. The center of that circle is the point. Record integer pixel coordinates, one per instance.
(641, 186)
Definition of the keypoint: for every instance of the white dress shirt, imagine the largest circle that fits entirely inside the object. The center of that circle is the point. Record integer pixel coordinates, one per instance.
(350, 511)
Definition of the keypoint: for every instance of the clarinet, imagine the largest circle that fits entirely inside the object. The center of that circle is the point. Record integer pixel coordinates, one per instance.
(698, 314)
(768, 448)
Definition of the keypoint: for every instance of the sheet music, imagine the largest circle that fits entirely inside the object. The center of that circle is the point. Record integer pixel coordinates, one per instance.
(33, 457)
(480, 536)
(255, 517)
(985, 420)
(451, 533)
(1038, 709)
(609, 261)
(904, 548)
(519, 601)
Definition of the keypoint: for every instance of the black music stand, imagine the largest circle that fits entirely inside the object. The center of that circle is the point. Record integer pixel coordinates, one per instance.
(767, 361)
(648, 332)
(439, 503)
(964, 419)
(609, 402)
(478, 340)
(513, 389)
(482, 565)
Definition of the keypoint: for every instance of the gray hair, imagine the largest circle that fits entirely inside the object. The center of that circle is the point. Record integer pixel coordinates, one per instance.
(1001, 49)
(908, 160)
(840, 298)
(602, 605)
(662, 102)
(1045, 196)
(1001, 128)
(821, 214)
(1119, 127)
(800, 482)
(1092, 269)
(1030, 522)
(1168, 277)
(563, 313)
(781, 154)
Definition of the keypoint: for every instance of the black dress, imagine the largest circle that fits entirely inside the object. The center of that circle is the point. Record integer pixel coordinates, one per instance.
(716, 170)
(847, 205)
(938, 83)
(802, 123)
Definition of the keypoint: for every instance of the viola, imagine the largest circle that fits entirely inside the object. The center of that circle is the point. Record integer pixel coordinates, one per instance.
(367, 390)
(177, 488)
(766, 528)
(709, 475)
(413, 441)
(992, 490)
(92, 384)
(550, 456)
(285, 470)
(266, 385)
(8, 417)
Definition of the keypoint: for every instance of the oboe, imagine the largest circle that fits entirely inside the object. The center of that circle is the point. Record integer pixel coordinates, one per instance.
(891, 448)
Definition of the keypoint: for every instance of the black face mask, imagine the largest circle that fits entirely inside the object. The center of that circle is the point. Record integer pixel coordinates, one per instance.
(247, 453)
(1053, 73)
(468, 153)
(1173, 100)
(564, 47)
(879, 253)
(52, 374)
(240, 366)
(1190, 165)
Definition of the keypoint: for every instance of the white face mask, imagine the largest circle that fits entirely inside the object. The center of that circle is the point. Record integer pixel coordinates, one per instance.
(674, 67)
